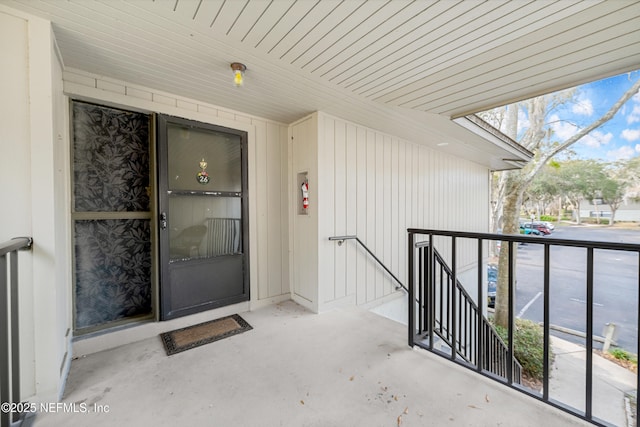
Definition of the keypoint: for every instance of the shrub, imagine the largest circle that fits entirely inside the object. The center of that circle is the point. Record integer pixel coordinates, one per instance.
(528, 347)
(622, 354)
(590, 220)
(549, 218)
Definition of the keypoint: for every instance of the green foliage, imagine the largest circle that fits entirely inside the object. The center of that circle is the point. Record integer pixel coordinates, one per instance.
(549, 218)
(546, 185)
(622, 354)
(554, 164)
(603, 221)
(528, 346)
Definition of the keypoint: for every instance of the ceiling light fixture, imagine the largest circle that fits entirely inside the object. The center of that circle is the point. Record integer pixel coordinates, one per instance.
(238, 73)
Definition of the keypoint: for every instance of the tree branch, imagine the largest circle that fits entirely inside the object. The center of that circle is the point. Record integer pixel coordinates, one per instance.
(544, 158)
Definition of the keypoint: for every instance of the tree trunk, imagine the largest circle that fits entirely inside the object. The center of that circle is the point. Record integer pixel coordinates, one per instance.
(510, 225)
(497, 195)
(512, 200)
(614, 208)
(576, 209)
(560, 210)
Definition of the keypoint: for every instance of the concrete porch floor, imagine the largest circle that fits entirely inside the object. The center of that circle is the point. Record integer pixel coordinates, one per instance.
(347, 367)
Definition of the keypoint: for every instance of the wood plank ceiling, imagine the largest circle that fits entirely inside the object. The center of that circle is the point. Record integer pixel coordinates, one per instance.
(403, 67)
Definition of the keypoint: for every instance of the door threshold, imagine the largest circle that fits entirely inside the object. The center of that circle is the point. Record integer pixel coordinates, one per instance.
(132, 332)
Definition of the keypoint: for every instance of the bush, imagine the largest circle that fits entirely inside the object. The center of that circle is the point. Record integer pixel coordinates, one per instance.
(590, 220)
(528, 347)
(622, 354)
(549, 218)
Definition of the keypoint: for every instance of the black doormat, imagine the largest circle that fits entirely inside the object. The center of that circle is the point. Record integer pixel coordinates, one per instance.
(204, 333)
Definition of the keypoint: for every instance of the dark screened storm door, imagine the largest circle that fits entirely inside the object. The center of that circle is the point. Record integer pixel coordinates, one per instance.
(111, 213)
(202, 213)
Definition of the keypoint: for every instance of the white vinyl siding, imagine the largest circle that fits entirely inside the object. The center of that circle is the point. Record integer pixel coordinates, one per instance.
(376, 186)
(304, 236)
(33, 168)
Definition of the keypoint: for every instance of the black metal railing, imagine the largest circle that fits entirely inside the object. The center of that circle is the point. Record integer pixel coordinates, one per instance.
(463, 328)
(341, 239)
(9, 332)
(422, 316)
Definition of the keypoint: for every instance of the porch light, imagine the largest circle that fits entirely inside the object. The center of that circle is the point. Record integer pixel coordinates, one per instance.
(238, 73)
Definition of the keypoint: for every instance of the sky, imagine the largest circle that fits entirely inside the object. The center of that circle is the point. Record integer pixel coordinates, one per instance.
(617, 139)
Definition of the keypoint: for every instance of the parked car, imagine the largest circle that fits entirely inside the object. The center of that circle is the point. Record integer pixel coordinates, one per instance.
(529, 230)
(492, 284)
(550, 225)
(540, 226)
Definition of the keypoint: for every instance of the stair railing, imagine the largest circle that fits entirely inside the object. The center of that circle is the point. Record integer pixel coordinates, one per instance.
(341, 239)
(458, 328)
(424, 331)
(10, 332)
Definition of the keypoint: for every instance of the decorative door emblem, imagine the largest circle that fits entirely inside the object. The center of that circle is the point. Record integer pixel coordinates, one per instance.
(203, 176)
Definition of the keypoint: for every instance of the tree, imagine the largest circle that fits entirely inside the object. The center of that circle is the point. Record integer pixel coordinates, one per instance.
(622, 178)
(613, 193)
(539, 139)
(627, 172)
(580, 180)
(545, 187)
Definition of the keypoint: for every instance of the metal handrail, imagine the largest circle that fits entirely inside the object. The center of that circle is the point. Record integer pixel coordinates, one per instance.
(520, 238)
(492, 335)
(15, 244)
(10, 332)
(341, 240)
(415, 281)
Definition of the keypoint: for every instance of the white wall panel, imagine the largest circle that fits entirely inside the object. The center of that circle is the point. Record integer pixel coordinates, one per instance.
(305, 260)
(359, 189)
(62, 190)
(370, 238)
(276, 241)
(33, 158)
(260, 199)
(15, 168)
(379, 213)
(326, 203)
(339, 193)
(381, 185)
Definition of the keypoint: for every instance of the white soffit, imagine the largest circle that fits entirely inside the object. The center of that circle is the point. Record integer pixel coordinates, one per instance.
(373, 62)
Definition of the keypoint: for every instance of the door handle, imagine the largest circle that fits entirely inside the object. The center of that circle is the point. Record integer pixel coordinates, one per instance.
(163, 221)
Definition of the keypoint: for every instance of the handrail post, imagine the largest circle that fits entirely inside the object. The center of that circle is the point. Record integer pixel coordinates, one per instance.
(545, 326)
(589, 338)
(411, 274)
(480, 314)
(9, 330)
(431, 289)
(15, 335)
(4, 342)
(422, 305)
(638, 342)
(511, 322)
(454, 313)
